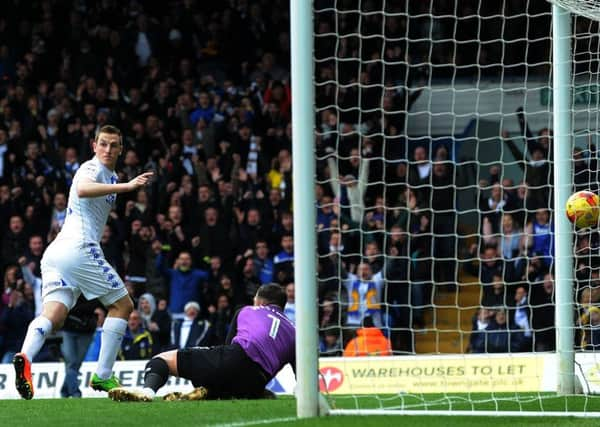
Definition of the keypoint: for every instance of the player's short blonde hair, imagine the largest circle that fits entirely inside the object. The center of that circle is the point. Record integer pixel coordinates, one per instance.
(111, 130)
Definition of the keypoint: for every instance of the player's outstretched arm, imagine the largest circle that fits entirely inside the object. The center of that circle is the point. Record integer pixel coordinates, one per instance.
(89, 188)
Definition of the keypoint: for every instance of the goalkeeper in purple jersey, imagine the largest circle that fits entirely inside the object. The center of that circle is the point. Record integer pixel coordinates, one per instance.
(261, 341)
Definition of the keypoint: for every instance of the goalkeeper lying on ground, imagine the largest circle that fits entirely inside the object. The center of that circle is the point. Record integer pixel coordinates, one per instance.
(260, 342)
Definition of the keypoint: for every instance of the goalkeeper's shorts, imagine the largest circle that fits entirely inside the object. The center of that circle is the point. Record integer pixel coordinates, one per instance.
(225, 371)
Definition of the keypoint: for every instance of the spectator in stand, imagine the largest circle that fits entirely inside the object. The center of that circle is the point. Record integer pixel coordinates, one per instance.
(399, 291)
(511, 245)
(373, 256)
(420, 175)
(369, 341)
(14, 319)
(330, 343)
(252, 230)
(539, 234)
(59, 211)
(247, 281)
(156, 321)
(325, 213)
(34, 254)
(14, 241)
(155, 281)
(137, 343)
(520, 322)
(163, 319)
(110, 243)
(444, 218)
(542, 314)
(10, 283)
(521, 206)
(214, 238)
(185, 282)
(263, 264)
(350, 189)
(71, 165)
(216, 271)
(221, 318)
(495, 293)
(489, 264)
(538, 171)
(481, 321)
(283, 262)
(329, 312)
(77, 335)
(498, 336)
(590, 322)
(94, 349)
(235, 294)
(284, 227)
(192, 330)
(364, 293)
(508, 240)
(290, 305)
(491, 208)
(328, 268)
(139, 245)
(420, 277)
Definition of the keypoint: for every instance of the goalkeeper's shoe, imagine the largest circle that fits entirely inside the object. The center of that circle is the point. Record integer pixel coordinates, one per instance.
(108, 384)
(122, 394)
(23, 380)
(175, 395)
(199, 393)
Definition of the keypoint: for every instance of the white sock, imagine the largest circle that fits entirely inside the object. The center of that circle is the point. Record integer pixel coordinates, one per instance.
(38, 330)
(147, 391)
(110, 344)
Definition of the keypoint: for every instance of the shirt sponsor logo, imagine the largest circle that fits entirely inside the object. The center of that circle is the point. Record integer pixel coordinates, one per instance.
(55, 284)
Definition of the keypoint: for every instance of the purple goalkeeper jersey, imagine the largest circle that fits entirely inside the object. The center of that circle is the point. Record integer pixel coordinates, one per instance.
(267, 337)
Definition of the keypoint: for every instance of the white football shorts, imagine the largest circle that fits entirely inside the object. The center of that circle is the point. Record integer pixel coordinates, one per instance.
(71, 268)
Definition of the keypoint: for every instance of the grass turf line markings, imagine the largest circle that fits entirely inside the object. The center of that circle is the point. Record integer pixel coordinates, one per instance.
(256, 422)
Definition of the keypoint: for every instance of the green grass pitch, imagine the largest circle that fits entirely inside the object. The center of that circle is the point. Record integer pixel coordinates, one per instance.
(279, 412)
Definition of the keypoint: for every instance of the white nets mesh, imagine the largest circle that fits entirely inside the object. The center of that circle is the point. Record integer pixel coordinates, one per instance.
(434, 174)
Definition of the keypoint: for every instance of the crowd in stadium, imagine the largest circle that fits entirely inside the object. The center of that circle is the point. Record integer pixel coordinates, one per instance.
(202, 95)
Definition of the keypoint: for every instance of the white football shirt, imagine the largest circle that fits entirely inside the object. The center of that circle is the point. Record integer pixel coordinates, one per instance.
(86, 216)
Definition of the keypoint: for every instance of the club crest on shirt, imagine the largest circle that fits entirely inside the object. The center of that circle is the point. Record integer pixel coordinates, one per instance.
(110, 199)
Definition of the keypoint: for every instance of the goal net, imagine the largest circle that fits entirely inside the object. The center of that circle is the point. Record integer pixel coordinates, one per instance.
(435, 207)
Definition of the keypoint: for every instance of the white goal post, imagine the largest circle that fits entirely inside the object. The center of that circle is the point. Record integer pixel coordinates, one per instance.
(563, 131)
(443, 103)
(303, 176)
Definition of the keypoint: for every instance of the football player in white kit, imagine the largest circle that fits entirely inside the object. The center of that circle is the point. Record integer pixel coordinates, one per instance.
(73, 264)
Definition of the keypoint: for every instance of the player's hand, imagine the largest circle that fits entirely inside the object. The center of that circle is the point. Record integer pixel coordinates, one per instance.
(140, 180)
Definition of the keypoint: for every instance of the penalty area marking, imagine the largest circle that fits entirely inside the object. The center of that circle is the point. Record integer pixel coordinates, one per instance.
(256, 422)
